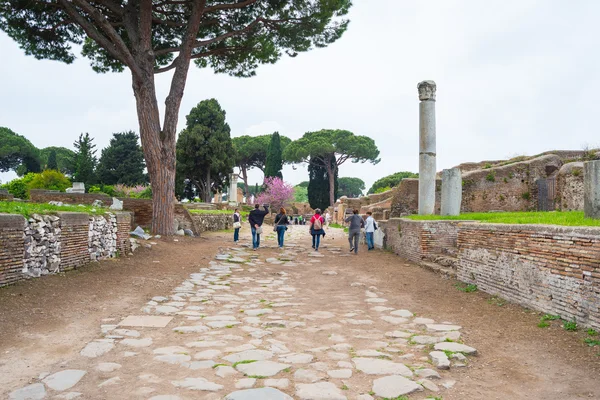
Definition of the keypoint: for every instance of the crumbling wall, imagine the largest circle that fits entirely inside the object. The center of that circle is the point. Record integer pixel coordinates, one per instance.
(569, 187)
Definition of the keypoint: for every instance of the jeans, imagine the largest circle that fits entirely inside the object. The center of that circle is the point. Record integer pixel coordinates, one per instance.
(255, 238)
(354, 235)
(370, 240)
(316, 241)
(280, 234)
(236, 234)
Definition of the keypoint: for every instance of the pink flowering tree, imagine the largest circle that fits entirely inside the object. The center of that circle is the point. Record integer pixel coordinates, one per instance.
(277, 193)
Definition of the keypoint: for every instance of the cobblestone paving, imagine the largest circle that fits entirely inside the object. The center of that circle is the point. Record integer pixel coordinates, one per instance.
(246, 326)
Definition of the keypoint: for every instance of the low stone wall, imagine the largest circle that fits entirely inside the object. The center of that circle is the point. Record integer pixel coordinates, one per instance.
(419, 240)
(43, 245)
(552, 269)
(212, 222)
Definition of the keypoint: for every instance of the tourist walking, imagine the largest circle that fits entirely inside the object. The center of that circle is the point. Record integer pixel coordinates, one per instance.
(316, 229)
(370, 228)
(256, 219)
(237, 224)
(327, 219)
(281, 223)
(356, 223)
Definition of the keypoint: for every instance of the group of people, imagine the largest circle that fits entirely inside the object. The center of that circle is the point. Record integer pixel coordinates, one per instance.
(317, 225)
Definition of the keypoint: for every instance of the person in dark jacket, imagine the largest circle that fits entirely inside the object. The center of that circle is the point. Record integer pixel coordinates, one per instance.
(237, 224)
(256, 219)
(356, 222)
(281, 223)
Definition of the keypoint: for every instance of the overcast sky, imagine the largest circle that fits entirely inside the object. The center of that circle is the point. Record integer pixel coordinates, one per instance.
(514, 77)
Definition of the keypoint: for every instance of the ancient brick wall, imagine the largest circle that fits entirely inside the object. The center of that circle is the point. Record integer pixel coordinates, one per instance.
(74, 241)
(405, 200)
(213, 222)
(418, 240)
(123, 228)
(44, 196)
(552, 269)
(12, 248)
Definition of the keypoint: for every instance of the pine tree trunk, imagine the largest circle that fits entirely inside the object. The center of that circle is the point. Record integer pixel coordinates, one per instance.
(245, 179)
(159, 151)
(331, 175)
(208, 186)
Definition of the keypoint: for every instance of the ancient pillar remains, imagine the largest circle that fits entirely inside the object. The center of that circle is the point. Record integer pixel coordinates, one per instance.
(591, 189)
(233, 189)
(426, 147)
(451, 191)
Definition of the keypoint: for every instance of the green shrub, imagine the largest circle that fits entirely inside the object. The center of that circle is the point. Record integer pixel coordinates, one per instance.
(487, 166)
(526, 196)
(106, 189)
(19, 187)
(50, 180)
(382, 189)
(145, 194)
(491, 177)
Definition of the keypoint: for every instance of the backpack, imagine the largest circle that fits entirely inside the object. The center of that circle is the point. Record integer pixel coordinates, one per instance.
(318, 224)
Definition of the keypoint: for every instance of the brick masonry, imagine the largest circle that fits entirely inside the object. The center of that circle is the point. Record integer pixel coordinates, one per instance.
(552, 269)
(419, 240)
(212, 222)
(74, 246)
(12, 247)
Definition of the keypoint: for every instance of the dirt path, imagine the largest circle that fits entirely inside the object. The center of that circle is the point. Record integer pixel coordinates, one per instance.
(332, 331)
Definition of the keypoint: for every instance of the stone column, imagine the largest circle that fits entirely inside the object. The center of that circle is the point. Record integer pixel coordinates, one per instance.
(451, 191)
(426, 147)
(233, 189)
(591, 189)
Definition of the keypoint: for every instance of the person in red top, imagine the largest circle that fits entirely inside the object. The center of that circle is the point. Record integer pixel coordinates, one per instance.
(316, 228)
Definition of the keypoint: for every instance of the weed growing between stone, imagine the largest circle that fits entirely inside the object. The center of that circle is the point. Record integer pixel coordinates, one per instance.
(470, 288)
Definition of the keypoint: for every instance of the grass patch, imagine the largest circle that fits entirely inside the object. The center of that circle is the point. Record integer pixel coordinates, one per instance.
(591, 342)
(334, 225)
(550, 317)
(570, 326)
(563, 218)
(243, 362)
(592, 332)
(219, 365)
(28, 209)
(258, 377)
(466, 288)
(345, 387)
(497, 301)
(543, 324)
(216, 212)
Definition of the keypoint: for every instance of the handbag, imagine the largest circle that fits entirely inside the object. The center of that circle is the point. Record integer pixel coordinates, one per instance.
(237, 225)
(259, 230)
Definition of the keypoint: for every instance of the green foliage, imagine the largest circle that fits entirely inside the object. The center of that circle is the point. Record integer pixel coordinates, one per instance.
(50, 180)
(564, 218)
(382, 189)
(391, 181)
(543, 324)
(591, 342)
(300, 194)
(491, 177)
(28, 209)
(592, 332)
(351, 187)
(526, 196)
(274, 162)
(470, 288)
(64, 159)
(19, 187)
(487, 166)
(570, 326)
(52, 163)
(549, 317)
(101, 188)
(84, 163)
(205, 153)
(17, 153)
(318, 186)
(303, 184)
(122, 161)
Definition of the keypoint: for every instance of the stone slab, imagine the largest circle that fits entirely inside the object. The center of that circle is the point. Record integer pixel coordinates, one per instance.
(266, 393)
(146, 321)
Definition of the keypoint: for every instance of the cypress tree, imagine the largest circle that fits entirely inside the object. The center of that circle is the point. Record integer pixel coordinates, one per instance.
(52, 164)
(274, 162)
(85, 160)
(318, 186)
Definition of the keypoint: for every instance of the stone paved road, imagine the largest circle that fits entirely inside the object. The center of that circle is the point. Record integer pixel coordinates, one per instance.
(248, 326)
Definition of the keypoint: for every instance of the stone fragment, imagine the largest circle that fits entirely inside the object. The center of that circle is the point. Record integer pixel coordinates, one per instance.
(224, 371)
(31, 392)
(205, 364)
(64, 380)
(146, 342)
(340, 373)
(108, 367)
(425, 339)
(329, 273)
(365, 397)
(182, 359)
(423, 321)
(69, 395)
(449, 384)
(375, 366)
(146, 321)
(171, 350)
(402, 313)
(266, 393)
(398, 334)
(429, 385)
(197, 384)
(110, 382)
(207, 354)
(277, 383)
(258, 312)
(297, 358)
(262, 368)
(126, 332)
(455, 348)
(394, 320)
(191, 329)
(256, 355)
(394, 386)
(443, 327)
(427, 373)
(376, 300)
(207, 343)
(439, 359)
(305, 375)
(245, 383)
(319, 391)
(96, 349)
(372, 353)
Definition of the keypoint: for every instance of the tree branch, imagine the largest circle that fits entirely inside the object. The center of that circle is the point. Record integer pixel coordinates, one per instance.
(229, 6)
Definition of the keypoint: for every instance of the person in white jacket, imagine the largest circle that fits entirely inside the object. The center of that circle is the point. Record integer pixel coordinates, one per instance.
(370, 226)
